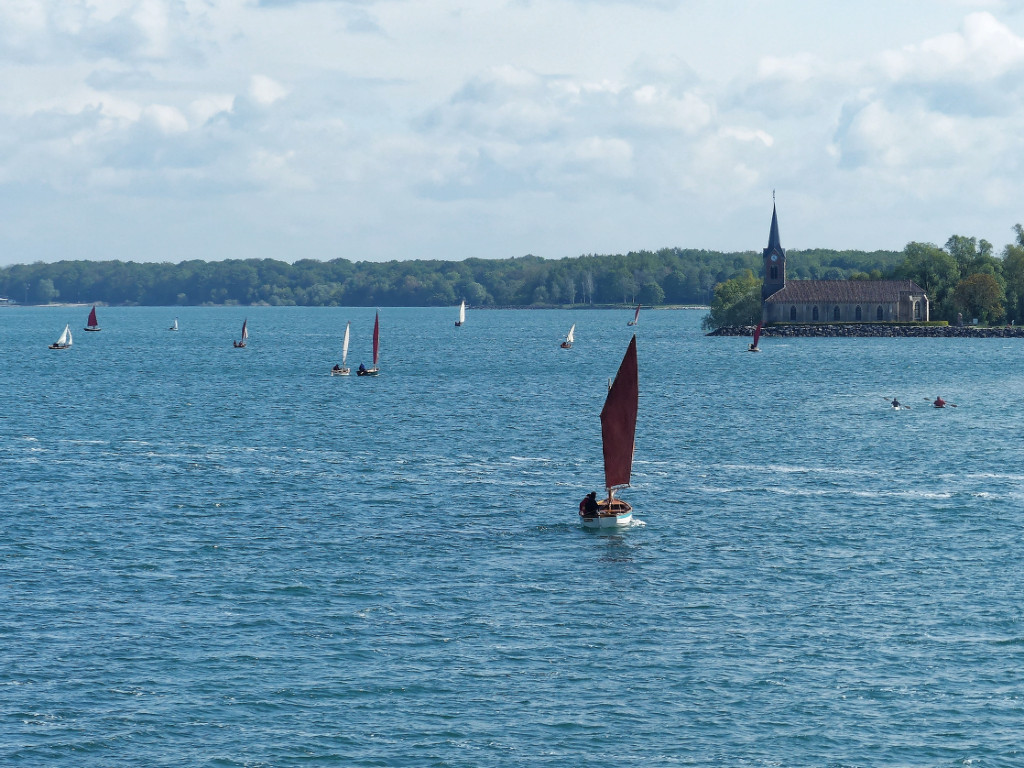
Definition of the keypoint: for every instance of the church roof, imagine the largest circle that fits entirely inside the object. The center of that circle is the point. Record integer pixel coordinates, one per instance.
(843, 291)
(774, 241)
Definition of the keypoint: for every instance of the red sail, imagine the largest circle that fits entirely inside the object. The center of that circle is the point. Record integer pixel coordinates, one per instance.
(92, 318)
(618, 421)
(376, 339)
(757, 333)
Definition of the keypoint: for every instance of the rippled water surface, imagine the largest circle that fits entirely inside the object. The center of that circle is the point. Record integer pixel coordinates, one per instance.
(220, 557)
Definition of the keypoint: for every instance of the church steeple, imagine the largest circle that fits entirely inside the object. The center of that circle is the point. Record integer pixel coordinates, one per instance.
(774, 259)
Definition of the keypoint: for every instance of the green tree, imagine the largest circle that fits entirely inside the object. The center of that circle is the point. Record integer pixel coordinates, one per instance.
(980, 296)
(737, 302)
(933, 269)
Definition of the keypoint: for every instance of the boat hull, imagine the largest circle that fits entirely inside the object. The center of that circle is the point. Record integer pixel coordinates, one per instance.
(91, 328)
(566, 345)
(340, 372)
(620, 514)
(369, 372)
(59, 346)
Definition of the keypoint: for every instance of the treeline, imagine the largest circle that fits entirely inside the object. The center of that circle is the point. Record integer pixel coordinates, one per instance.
(668, 276)
(963, 278)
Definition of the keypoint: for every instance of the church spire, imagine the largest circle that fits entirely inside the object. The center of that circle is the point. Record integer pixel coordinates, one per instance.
(774, 259)
(774, 243)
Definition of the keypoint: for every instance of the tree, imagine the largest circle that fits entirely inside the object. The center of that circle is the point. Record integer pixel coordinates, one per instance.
(736, 302)
(980, 296)
(931, 268)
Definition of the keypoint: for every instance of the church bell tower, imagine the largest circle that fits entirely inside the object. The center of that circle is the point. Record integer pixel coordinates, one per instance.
(774, 260)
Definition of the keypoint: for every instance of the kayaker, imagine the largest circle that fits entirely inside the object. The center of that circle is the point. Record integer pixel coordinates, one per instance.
(939, 402)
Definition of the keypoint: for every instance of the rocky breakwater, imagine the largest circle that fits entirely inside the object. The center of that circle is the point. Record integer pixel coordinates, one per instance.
(873, 330)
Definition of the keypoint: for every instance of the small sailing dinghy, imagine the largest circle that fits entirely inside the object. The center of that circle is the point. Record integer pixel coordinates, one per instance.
(65, 339)
(618, 430)
(376, 351)
(92, 325)
(245, 334)
(341, 370)
(462, 315)
(757, 335)
(174, 325)
(567, 344)
(635, 317)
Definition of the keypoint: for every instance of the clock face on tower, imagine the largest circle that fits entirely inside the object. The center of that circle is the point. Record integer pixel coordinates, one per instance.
(775, 257)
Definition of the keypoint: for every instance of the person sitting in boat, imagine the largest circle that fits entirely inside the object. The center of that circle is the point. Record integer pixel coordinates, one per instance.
(939, 402)
(588, 507)
(895, 403)
(337, 367)
(362, 368)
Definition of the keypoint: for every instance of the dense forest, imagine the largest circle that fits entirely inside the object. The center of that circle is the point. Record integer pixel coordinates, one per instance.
(965, 277)
(668, 276)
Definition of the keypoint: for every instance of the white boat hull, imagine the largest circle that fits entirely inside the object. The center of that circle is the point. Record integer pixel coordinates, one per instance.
(340, 372)
(623, 516)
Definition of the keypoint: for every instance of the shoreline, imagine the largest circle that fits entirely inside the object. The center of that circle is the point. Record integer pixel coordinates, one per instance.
(872, 330)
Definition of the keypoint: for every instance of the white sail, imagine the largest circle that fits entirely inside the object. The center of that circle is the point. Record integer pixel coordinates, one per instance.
(65, 338)
(344, 345)
(570, 338)
(174, 327)
(462, 313)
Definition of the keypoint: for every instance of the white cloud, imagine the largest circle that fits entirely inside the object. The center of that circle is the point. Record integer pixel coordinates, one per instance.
(265, 91)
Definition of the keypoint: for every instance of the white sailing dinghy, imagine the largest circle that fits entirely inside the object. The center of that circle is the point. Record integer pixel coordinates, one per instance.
(757, 335)
(569, 338)
(635, 317)
(92, 325)
(65, 339)
(245, 334)
(462, 315)
(174, 325)
(376, 351)
(341, 370)
(618, 431)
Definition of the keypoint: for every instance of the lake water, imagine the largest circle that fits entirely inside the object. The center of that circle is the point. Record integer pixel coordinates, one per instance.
(220, 557)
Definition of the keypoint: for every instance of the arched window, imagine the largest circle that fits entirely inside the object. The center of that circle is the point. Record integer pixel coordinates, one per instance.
(835, 313)
(857, 314)
(792, 313)
(878, 314)
(814, 314)
(917, 310)
(775, 273)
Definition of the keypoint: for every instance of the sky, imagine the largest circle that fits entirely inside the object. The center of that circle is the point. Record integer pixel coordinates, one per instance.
(167, 130)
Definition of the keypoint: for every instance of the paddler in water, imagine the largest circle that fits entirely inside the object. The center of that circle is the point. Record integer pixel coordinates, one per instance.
(895, 403)
(939, 402)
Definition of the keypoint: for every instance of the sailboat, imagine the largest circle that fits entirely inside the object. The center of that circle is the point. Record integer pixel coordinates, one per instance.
(376, 351)
(462, 315)
(567, 344)
(245, 334)
(635, 317)
(618, 430)
(65, 339)
(92, 325)
(174, 325)
(757, 335)
(341, 370)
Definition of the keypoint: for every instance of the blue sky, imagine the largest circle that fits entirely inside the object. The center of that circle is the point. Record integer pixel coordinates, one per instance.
(164, 130)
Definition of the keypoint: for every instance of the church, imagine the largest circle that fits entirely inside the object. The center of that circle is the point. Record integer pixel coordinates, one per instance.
(830, 301)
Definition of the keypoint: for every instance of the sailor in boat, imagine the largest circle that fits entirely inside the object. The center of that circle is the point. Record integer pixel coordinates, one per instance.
(362, 370)
(337, 367)
(588, 507)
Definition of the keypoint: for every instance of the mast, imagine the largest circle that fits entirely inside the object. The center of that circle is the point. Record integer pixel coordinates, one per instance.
(618, 421)
(245, 329)
(344, 345)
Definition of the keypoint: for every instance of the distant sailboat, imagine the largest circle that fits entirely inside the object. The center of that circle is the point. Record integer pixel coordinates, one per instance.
(341, 370)
(245, 334)
(635, 317)
(92, 325)
(618, 431)
(462, 314)
(569, 338)
(757, 335)
(65, 339)
(174, 325)
(376, 351)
